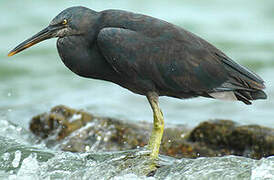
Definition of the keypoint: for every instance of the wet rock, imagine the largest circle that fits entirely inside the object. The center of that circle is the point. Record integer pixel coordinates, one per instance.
(79, 131)
(96, 133)
(61, 118)
(252, 141)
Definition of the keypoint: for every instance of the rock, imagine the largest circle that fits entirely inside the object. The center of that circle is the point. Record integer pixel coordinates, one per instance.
(61, 118)
(79, 131)
(96, 133)
(252, 141)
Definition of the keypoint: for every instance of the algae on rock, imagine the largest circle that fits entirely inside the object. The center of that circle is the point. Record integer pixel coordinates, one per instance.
(79, 131)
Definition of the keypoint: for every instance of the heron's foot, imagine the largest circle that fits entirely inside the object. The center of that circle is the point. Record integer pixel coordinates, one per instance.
(138, 161)
(135, 161)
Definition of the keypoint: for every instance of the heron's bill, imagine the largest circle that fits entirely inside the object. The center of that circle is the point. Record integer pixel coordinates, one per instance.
(46, 33)
(11, 53)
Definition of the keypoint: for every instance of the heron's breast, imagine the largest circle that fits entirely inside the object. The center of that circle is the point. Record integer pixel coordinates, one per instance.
(74, 55)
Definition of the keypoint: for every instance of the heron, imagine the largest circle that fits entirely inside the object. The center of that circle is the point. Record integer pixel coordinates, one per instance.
(147, 56)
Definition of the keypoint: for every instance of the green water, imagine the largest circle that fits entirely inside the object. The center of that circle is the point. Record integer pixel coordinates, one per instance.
(35, 80)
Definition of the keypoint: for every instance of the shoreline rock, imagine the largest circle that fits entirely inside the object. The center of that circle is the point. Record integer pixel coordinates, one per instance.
(79, 131)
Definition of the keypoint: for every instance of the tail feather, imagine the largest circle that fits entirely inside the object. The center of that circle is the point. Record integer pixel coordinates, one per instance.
(258, 95)
(242, 98)
(241, 70)
(245, 84)
(246, 96)
(247, 89)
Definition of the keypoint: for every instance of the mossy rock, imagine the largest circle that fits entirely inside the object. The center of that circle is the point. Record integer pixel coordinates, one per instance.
(250, 141)
(79, 131)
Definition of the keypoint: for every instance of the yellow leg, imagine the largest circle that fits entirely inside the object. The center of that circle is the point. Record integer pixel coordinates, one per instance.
(158, 125)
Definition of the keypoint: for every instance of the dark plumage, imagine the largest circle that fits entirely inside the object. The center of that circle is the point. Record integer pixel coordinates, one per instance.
(145, 54)
(148, 56)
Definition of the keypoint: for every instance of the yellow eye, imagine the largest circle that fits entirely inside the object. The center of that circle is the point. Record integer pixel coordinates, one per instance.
(65, 22)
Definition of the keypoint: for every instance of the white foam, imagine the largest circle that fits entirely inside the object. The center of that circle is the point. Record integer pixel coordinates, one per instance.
(29, 168)
(17, 158)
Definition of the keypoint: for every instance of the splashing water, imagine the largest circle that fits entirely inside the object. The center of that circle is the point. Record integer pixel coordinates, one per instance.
(21, 160)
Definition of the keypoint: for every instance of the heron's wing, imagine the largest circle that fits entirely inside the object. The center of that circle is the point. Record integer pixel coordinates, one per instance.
(123, 49)
(170, 65)
(186, 65)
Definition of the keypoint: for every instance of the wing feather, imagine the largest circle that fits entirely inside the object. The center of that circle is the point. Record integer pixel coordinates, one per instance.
(173, 67)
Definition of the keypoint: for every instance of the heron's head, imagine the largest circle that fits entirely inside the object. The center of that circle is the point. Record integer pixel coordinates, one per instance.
(73, 21)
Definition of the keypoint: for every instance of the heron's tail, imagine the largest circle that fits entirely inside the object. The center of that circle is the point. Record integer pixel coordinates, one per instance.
(231, 90)
(247, 96)
(242, 84)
